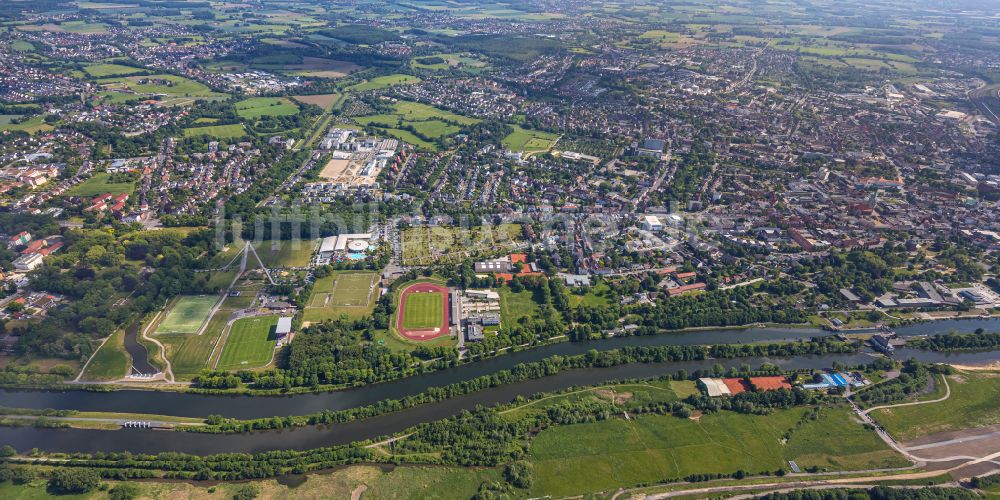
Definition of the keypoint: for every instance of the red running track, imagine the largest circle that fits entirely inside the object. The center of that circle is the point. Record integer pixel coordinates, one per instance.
(424, 334)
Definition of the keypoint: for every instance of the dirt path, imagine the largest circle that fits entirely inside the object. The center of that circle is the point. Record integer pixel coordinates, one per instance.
(356, 494)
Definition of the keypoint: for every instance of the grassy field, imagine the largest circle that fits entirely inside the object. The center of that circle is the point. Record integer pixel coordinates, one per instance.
(232, 131)
(110, 362)
(187, 314)
(256, 107)
(32, 125)
(106, 70)
(464, 61)
(423, 311)
(423, 245)
(250, 344)
(189, 354)
(602, 456)
(166, 85)
(403, 482)
(99, 184)
(529, 141)
(517, 305)
(285, 253)
(384, 82)
(343, 293)
(974, 402)
(428, 121)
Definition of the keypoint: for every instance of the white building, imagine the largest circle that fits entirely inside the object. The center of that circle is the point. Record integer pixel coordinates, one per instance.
(652, 223)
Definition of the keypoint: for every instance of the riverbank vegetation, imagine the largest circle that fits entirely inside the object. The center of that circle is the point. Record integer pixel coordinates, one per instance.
(532, 445)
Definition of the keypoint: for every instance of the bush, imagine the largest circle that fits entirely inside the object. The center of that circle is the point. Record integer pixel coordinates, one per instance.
(124, 491)
(247, 492)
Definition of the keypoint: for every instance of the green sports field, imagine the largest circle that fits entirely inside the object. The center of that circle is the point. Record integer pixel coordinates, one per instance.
(250, 344)
(187, 315)
(423, 311)
(344, 293)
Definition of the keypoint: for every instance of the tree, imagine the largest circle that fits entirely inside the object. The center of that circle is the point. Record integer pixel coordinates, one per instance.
(69, 481)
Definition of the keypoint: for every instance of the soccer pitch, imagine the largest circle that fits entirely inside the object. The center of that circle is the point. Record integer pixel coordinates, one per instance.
(423, 311)
(250, 344)
(351, 289)
(188, 314)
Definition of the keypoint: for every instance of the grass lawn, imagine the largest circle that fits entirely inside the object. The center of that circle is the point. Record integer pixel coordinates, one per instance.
(256, 107)
(106, 70)
(21, 46)
(974, 402)
(517, 305)
(415, 111)
(528, 141)
(233, 131)
(187, 314)
(250, 344)
(384, 82)
(98, 184)
(408, 137)
(110, 362)
(602, 456)
(423, 310)
(342, 293)
(285, 253)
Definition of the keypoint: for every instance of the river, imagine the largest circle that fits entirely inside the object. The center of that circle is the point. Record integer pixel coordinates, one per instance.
(181, 404)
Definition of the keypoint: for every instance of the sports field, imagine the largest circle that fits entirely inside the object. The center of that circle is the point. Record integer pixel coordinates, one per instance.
(423, 310)
(250, 344)
(187, 314)
(345, 293)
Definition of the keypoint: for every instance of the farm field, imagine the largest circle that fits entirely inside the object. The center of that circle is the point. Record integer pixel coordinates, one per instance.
(187, 314)
(256, 107)
(423, 311)
(285, 253)
(974, 402)
(99, 184)
(580, 458)
(325, 101)
(439, 243)
(344, 293)
(529, 141)
(233, 131)
(250, 344)
(106, 70)
(383, 82)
